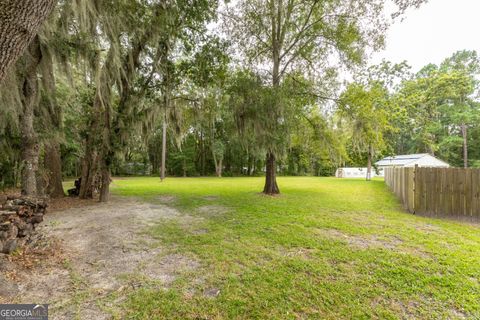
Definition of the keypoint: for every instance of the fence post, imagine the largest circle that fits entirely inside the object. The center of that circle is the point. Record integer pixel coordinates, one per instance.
(415, 170)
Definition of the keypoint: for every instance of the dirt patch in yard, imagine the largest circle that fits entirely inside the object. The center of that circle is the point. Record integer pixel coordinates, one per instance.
(212, 210)
(91, 252)
(303, 253)
(60, 204)
(166, 199)
(210, 198)
(428, 228)
(361, 242)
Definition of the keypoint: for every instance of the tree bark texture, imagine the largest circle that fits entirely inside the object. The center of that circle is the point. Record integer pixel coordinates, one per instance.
(271, 186)
(95, 145)
(89, 170)
(27, 73)
(105, 177)
(20, 21)
(218, 165)
(53, 166)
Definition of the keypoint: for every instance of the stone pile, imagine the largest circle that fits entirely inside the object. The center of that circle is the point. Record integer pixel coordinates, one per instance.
(19, 217)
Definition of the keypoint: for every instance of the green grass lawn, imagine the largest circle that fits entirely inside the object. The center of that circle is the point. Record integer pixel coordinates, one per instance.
(325, 248)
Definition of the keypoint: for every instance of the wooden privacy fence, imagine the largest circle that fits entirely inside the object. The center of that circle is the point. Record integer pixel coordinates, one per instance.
(437, 191)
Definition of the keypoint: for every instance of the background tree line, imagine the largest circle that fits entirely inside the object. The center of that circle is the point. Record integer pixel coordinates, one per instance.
(246, 88)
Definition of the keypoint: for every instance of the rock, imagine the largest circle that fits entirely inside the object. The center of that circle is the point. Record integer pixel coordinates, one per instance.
(18, 218)
(212, 292)
(12, 232)
(21, 225)
(36, 219)
(25, 231)
(3, 198)
(7, 215)
(9, 246)
(4, 226)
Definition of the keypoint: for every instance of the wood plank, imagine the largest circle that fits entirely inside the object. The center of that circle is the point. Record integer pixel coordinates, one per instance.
(436, 191)
(416, 190)
(475, 193)
(428, 191)
(411, 193)
(422, 183)
(457, 193)
(451, 182)
(468, 193)
(444, 193)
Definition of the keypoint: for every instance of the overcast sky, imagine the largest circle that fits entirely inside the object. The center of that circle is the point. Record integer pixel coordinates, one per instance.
(433, 32)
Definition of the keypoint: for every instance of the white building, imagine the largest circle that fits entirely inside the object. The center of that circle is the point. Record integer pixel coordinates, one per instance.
(411, 160)
(356, 173)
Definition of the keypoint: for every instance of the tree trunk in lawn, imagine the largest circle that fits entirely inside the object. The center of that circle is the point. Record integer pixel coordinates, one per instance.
(89, 168)
(218, 165)
(30, 146)
(42, 178)
(220, 168)
(91, 157)
(369, 164)
(53, 165)
(465, 145)
(19, 24)
(271, 186)
(164, 148)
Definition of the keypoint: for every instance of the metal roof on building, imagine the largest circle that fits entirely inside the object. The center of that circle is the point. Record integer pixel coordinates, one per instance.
(411, 159)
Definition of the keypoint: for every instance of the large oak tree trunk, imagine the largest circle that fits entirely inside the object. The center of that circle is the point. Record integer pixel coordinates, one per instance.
(30, 151)
(92, 144)
(271, 186)
(19, 24)
(27, 72)
(53, 165)
(89, 169)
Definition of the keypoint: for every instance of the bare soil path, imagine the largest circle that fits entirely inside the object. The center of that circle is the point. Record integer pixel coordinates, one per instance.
(92, 257)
